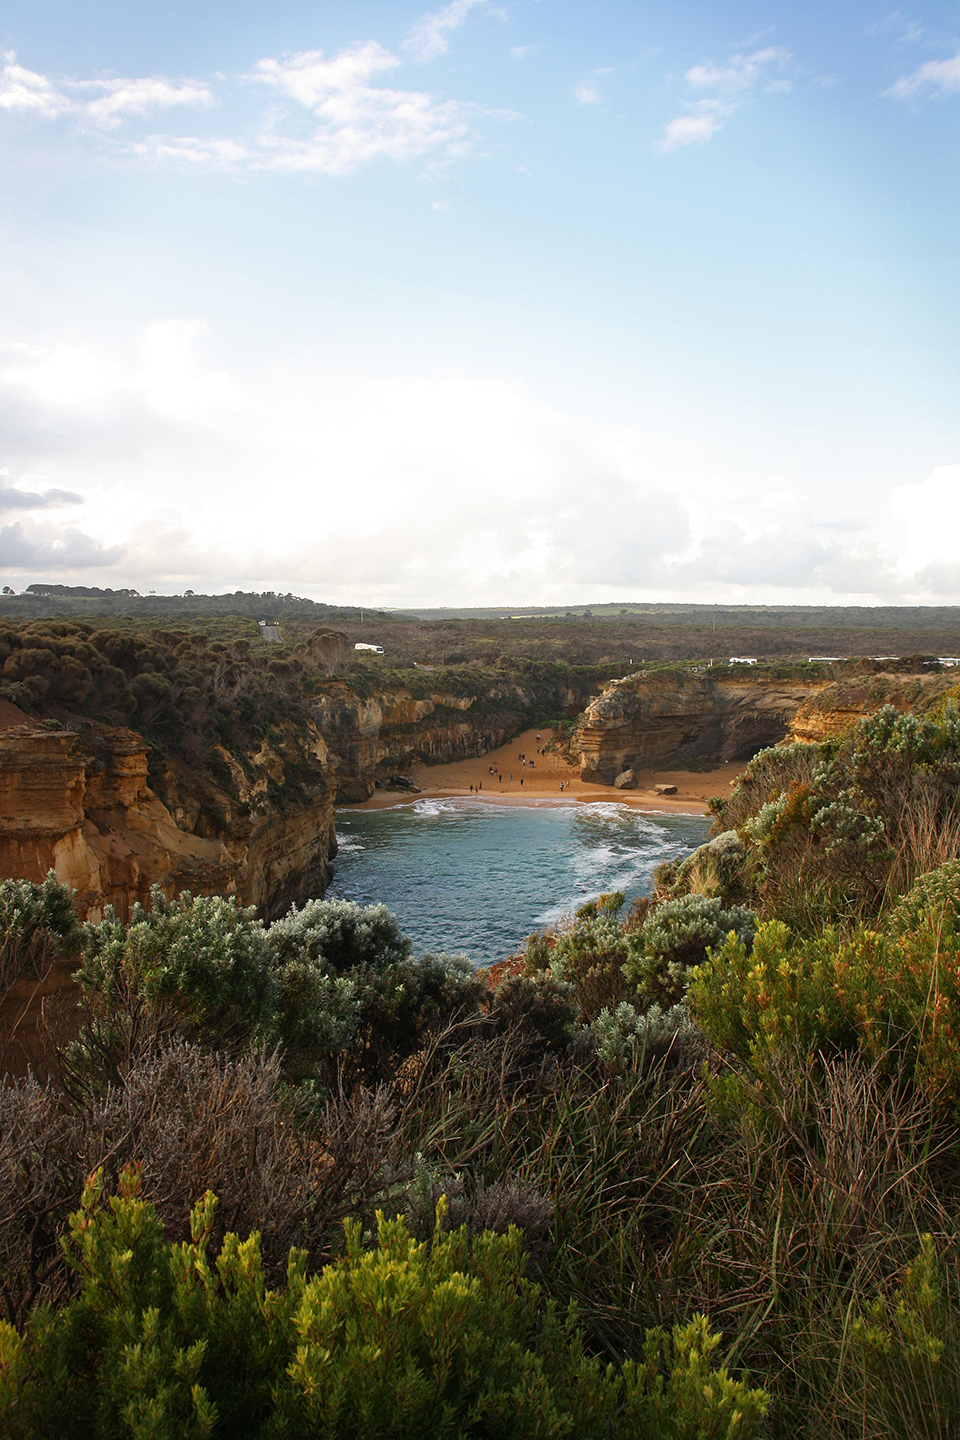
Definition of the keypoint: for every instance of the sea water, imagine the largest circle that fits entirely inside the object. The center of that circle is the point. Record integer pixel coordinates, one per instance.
(477, 877)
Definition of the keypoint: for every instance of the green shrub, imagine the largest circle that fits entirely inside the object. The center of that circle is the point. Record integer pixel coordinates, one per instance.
(38, 925)
(406, 1340)
(625, 1037)
(895, 998)
(590, 955)
(341, 935)
(908, 1344)
(205, 960)
(542, 1007)
(932, 901)
(715, 869)
(790, 993)
(675, 937)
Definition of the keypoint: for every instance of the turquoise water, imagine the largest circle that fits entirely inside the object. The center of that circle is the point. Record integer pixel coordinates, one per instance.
(469, 875)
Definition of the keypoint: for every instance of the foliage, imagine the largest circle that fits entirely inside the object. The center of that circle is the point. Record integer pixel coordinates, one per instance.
(675, 937)
(838, 831)
(590, 955)
(625, 1037)
(38, 925)
(332, 983)
(205, 959)
(714, 870)
(907, 1345)
(409, 1338)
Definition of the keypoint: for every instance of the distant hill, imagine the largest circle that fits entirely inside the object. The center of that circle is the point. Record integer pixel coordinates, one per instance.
(795, 617)
(44, 600)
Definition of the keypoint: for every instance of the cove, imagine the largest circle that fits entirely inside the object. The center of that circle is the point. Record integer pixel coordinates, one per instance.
(477, 877)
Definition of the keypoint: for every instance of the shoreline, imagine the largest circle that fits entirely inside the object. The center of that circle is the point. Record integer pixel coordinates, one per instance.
(478, 778)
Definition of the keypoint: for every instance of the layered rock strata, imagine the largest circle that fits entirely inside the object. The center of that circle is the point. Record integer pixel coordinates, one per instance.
(79, 804)
(364, 739)
(665, 718)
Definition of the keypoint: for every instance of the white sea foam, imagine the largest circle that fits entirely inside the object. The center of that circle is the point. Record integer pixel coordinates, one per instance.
(427, 809)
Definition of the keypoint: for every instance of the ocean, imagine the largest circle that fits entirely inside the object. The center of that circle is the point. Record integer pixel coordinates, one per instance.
(475, 877)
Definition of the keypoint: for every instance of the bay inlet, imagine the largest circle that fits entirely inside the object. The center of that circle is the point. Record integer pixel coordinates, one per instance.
(477, 877)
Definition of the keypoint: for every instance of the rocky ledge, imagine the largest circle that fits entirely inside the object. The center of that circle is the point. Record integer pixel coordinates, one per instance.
(78, 803)
(673, 717)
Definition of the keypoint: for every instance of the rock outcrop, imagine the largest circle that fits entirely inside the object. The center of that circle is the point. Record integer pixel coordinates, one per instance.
(837, 706)
(78, 803)
(366, 739)
(255, 821)
(672, 717)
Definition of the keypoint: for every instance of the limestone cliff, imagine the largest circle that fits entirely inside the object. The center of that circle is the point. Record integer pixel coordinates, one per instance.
(675, 716)
(837, 706)
(78, 802)
(672, 717)
(362, 739)
(253, 817)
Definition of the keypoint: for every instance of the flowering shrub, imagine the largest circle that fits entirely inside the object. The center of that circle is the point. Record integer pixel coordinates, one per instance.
(408, 1338)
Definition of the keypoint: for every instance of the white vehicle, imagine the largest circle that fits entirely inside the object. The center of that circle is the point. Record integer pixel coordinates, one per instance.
(374, 649)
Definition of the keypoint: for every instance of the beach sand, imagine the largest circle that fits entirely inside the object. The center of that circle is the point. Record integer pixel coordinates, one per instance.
(542, 780)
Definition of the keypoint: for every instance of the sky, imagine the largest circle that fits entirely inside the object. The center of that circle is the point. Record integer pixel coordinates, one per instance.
(532, 302)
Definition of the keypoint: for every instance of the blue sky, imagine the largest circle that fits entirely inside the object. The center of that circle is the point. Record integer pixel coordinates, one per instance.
(523, 302)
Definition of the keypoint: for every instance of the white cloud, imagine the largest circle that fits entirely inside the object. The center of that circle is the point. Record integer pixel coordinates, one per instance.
(926, 518)
(22, 89)
(359, 121)
(121, 98)
(903, 30)
(587, 93)
(191, 152)
(742, 72)
(13, 498)
(702, 124)
(68, 377)
(25, 90)
(941, 76)
(732, 84)
(393, 490)
(338, 116)
(34, 547)
(428, 38)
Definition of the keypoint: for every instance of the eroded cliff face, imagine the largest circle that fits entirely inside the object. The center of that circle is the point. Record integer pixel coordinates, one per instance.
(255, 822)
(363, 739)
(841, 704)
(649, 720)
(78, 802)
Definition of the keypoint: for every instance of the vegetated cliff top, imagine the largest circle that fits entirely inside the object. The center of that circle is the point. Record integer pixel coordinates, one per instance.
(581, 635)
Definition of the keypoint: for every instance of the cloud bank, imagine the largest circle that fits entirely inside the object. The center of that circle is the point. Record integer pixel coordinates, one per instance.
(936, 77)
(432, 488)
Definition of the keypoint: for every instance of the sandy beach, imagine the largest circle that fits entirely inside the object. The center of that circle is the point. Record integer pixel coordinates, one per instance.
(502, 776)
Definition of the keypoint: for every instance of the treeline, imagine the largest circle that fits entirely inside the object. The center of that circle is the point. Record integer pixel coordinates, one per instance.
(43, 601)
(722, 1125)
(618, 635)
